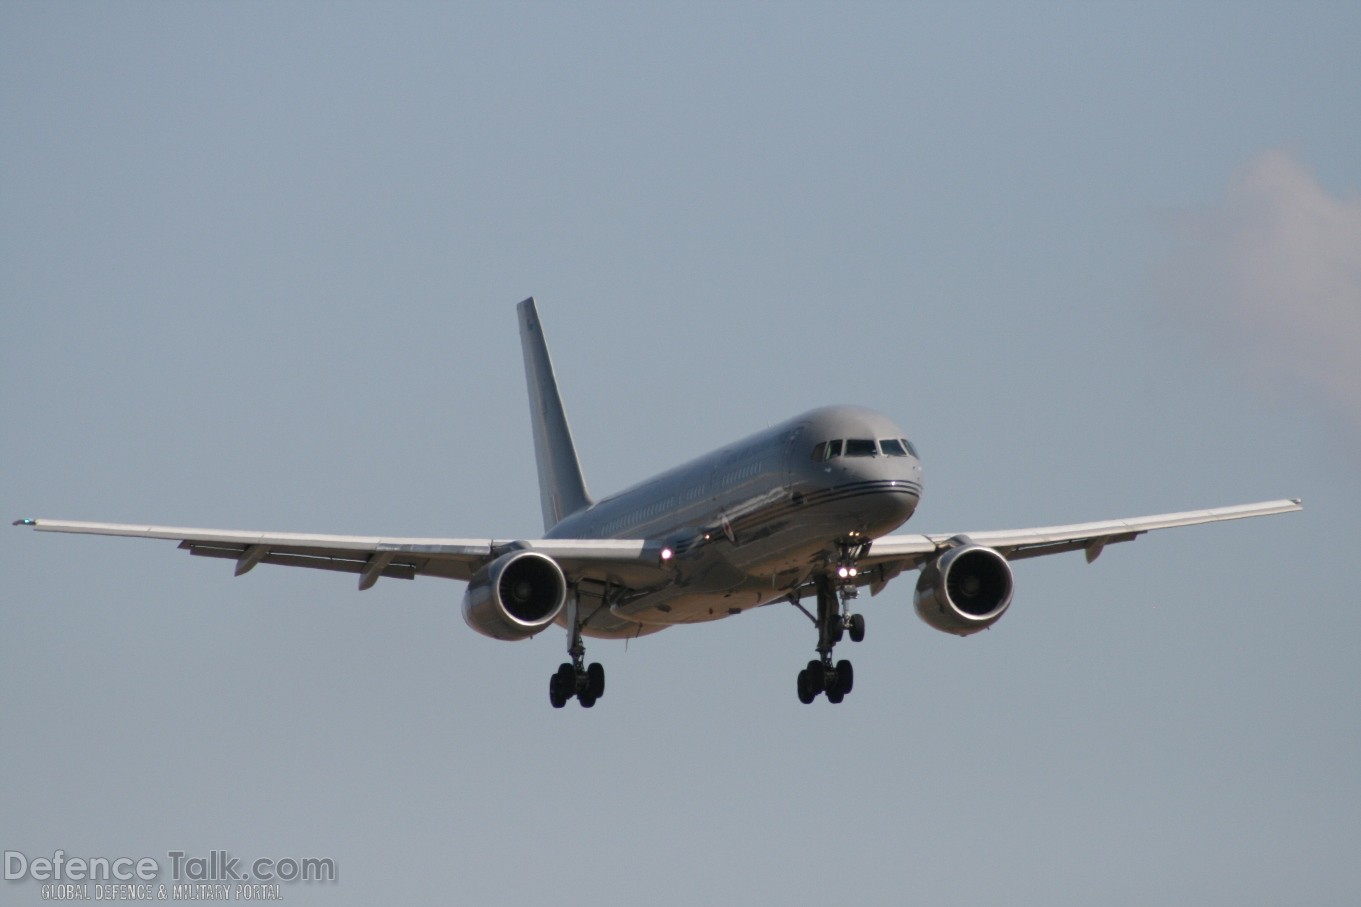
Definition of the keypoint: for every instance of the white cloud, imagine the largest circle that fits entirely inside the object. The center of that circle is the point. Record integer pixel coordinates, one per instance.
(1270, 279)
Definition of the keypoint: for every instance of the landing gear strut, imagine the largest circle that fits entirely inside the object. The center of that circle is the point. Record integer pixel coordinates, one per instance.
(576, 678)
(834, 591)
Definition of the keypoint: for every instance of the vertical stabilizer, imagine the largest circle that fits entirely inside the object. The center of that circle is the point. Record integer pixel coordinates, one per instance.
(562, 490)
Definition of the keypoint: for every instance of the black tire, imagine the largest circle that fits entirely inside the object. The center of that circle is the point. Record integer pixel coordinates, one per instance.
(806, 694)
(555, 694)
(595, 680)
(817, 677)
(835, 696)
(586, 699)
(834, 632)
(567, 680)
(845, 677)
(857, 628)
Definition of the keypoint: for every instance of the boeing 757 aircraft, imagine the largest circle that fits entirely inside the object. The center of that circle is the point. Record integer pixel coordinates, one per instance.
(799, 511)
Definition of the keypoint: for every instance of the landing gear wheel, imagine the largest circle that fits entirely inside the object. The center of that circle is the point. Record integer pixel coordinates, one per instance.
(845, 677)
(857, 627)
(586, 699)
(562, 686)
(817, 676)
(595, 680)
(806, 691)
(835, 696)
(834, 633)
(556, 696)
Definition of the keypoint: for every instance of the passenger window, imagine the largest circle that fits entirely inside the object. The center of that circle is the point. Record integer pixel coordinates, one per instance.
(892, 447)
(861, 447)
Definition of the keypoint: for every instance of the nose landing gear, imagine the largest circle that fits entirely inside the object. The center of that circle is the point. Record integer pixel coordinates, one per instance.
(835, 590)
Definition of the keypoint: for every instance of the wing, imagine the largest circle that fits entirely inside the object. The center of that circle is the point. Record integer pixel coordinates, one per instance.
(893, 554)
(632, 562)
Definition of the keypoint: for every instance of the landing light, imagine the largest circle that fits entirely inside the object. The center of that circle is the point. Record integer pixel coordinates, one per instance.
(667, 554)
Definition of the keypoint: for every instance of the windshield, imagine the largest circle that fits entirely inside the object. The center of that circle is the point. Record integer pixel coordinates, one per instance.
(861, 447)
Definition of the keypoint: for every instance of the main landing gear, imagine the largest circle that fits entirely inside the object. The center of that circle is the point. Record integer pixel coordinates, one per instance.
(833, 619)
(587, 684)
(576, 678)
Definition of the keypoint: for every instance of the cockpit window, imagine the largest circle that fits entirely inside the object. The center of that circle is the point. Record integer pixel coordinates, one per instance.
(892, 447)
(861, 447)
(826, 450)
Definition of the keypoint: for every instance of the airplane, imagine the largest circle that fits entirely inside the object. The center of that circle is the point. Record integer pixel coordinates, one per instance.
(802, 509)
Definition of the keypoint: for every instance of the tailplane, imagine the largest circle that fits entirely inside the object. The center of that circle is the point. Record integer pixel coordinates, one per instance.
(562, 490)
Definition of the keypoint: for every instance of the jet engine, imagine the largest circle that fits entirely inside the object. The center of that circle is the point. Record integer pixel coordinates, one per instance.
(515, 596)
(965, 590)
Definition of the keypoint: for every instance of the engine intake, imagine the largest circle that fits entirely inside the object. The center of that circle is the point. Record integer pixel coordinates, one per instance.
(515, 596)
(965, 590)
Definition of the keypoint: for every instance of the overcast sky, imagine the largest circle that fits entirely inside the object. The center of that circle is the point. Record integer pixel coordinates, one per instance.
(259, 269)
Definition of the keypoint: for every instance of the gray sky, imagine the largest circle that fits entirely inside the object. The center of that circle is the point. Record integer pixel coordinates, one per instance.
(259, 265)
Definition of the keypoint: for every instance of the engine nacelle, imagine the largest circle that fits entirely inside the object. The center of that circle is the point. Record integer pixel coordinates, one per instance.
(965, 590)
(515, 596)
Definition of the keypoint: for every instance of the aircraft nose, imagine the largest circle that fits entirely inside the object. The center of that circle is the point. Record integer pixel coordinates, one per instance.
(896, 502)
(896, 485)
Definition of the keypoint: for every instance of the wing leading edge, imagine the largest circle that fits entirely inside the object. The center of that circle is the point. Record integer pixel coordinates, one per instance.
(373, 557)
(893, 554)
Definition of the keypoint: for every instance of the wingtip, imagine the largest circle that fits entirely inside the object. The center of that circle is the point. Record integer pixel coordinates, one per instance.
(26, 521)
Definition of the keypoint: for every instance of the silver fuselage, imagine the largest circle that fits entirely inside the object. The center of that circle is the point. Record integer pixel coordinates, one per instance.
(751, 522)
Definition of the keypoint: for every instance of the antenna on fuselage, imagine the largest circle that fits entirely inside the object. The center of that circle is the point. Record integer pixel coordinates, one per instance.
(562, 489)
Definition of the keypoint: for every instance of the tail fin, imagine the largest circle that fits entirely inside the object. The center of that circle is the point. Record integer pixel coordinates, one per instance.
(562, 490)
